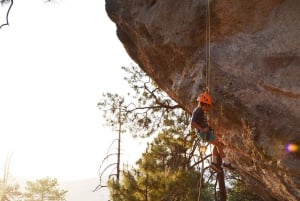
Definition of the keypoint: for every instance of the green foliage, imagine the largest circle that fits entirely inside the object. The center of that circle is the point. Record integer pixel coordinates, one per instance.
(141, 114)
(240, 191)
(169, 169)
(40, 190)
(166, 170)
(44, 190)
(163, 173)
(207, 192)
(114, 110)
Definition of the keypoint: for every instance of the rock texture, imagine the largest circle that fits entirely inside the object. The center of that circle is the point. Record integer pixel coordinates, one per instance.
(254, 75)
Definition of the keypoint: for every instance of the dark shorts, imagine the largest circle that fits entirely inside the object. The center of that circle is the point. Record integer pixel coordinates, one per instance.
(210, 138)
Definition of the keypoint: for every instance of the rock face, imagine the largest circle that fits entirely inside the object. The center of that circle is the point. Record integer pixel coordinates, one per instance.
(254, 75)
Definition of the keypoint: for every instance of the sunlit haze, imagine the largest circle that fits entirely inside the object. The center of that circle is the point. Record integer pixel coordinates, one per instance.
(56, 60)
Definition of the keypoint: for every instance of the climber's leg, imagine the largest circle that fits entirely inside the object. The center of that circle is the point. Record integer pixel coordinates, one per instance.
(219, 147)
(216, 165)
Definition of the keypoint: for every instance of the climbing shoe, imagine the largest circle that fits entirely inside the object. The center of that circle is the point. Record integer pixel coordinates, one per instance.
(215, 167)
(228, 166)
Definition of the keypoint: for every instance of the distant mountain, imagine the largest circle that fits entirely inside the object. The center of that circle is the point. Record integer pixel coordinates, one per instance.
(82, 190)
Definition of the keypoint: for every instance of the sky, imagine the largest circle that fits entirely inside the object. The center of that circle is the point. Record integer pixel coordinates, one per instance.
(56, 61)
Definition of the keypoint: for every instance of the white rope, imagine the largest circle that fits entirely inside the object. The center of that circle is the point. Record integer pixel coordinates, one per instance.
(207, 43)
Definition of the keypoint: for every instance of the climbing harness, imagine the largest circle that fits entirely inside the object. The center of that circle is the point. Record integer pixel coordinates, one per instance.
(203, 144)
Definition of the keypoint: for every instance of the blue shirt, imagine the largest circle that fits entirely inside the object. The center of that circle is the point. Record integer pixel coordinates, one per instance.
(199, 118)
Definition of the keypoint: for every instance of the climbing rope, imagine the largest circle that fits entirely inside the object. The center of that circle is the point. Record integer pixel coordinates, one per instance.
(203, 143)
(207, 45)
(207, 58)
(203, 146)
(203, 157)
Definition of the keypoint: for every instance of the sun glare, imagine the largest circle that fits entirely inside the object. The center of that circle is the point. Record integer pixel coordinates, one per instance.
(292, 148)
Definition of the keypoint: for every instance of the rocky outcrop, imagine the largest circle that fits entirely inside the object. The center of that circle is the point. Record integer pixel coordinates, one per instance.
(254, 76)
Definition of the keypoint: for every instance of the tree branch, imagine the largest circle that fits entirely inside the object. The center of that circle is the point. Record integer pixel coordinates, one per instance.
(8, 11)
(202, 160)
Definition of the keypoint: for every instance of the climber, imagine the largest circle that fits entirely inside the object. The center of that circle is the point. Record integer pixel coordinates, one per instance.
(199, 122)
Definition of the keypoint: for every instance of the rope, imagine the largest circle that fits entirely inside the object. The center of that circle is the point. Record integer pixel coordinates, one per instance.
(207, 59)
(202, 171)
(207, 44)
(201, 152)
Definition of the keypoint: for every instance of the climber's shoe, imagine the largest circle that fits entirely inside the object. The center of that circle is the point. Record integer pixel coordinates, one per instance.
(228, 166)
(215, 167)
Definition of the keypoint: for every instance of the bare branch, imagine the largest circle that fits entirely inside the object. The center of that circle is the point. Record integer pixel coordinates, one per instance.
(200, 161)
(8, 11)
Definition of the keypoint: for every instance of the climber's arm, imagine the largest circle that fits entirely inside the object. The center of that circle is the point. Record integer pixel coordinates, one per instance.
(198, 127)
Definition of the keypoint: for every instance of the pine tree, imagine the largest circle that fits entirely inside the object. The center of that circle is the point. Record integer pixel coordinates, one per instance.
(44, 190)
(164, 172)
(169, 169)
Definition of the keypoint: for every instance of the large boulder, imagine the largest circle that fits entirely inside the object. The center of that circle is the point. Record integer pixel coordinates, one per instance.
(253, 76)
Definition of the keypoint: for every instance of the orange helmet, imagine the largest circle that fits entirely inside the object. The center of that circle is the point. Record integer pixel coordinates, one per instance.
(205, 98)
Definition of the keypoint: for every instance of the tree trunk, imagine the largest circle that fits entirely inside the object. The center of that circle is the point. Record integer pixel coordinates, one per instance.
(221, 178)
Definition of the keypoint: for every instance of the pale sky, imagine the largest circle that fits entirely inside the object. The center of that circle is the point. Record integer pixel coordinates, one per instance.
(56, 60)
